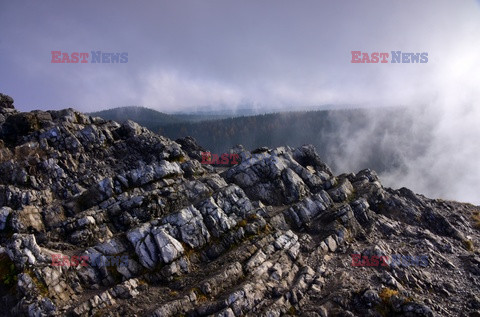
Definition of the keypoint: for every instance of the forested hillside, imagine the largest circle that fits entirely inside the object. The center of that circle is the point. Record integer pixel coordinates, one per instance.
(152, 119)
(375, 138)
(372, 134)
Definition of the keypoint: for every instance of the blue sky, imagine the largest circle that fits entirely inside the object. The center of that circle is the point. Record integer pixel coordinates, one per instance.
(191, 54)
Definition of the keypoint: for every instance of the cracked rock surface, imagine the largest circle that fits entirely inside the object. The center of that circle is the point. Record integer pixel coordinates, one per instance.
(271, 236)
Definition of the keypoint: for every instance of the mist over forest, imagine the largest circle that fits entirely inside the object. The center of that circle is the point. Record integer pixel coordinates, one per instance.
(335, 134)
(425, 148)
(396, 142)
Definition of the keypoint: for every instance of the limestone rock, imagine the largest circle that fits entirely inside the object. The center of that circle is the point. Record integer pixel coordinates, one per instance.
(106, 218)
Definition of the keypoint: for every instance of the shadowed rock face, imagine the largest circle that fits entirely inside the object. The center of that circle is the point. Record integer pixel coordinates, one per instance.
(6, 102)
(159, 234)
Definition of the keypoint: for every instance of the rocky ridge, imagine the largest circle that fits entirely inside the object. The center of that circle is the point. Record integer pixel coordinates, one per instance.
(271, 236)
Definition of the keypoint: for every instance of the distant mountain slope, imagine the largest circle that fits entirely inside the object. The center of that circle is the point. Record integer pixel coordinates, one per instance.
(366, 134)
(149, 118)
(364, 137)
(153, 119)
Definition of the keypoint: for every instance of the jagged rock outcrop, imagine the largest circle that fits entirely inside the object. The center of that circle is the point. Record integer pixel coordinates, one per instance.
(106, 218)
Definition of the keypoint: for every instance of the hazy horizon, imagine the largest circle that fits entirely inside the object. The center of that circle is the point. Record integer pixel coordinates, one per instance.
(189, 54)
